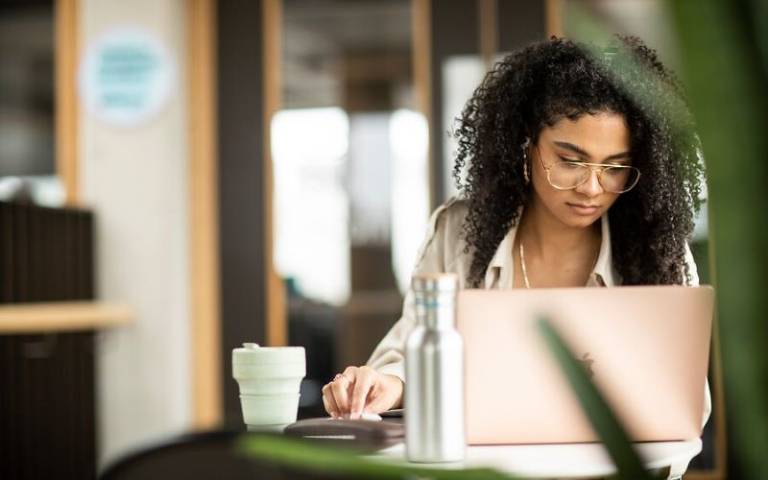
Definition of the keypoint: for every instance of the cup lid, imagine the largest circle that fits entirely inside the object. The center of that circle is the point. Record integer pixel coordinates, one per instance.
(253, 353)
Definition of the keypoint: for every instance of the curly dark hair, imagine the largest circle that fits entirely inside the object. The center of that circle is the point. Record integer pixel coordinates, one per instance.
(558, 78)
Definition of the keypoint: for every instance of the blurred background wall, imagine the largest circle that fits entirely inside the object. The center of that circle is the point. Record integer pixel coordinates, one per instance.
(135, 179)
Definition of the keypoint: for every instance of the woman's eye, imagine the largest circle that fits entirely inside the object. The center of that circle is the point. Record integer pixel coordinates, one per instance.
(570, 162)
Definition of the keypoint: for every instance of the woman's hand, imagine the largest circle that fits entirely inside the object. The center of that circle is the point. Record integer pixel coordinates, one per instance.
(361, 389)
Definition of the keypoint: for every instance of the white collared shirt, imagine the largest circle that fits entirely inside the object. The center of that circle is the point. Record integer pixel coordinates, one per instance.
(443, 252)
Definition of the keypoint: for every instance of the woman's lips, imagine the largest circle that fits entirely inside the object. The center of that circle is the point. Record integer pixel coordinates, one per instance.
(581, 209)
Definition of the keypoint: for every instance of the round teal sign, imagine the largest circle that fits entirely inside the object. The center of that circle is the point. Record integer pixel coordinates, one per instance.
(126, 76)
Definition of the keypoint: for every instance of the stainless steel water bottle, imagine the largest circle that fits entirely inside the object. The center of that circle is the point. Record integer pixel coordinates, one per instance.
(434, 374)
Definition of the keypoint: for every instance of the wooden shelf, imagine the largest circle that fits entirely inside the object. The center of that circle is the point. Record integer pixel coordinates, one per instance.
(40, 317)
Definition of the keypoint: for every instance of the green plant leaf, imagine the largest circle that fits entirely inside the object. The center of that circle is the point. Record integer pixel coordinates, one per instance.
(304, 455)
(724, 52)
(601, 417)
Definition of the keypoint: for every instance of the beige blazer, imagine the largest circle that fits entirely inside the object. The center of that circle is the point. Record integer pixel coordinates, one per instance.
(443, 251)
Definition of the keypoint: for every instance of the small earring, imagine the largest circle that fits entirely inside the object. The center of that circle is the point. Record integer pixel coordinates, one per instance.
(526, 175)
(526, 172)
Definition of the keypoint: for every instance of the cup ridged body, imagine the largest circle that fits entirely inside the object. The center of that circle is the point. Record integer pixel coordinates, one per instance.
(270, 380)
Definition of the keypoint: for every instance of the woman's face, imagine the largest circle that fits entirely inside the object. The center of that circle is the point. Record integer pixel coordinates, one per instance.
(601, 138)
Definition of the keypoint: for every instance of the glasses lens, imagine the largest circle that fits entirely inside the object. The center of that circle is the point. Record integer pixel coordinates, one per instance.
(565, 175)
(618, 180)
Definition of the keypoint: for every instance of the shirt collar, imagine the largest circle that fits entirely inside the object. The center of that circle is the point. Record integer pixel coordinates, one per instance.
(603, 269)
(501, 267)
(500, 272)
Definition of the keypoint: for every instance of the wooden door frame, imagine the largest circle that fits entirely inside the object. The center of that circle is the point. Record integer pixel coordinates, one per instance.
(421, 59)
(276, 314)
(205, 351)
(66, 14)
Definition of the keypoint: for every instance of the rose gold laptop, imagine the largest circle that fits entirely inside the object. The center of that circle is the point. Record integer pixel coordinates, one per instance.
(646, 347)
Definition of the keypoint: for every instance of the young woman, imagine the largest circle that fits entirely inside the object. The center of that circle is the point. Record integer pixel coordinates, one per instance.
(576, 167)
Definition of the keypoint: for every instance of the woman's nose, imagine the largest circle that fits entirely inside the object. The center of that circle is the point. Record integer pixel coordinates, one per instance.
(591, 187)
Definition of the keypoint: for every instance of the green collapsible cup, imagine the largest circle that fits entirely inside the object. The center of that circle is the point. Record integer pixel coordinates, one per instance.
(269, 380)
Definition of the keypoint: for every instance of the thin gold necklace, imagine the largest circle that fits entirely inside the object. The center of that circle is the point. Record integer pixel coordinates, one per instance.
(525, 270)
(522, 264)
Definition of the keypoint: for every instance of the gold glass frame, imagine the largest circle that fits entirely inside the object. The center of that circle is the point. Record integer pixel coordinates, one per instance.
(598, 167)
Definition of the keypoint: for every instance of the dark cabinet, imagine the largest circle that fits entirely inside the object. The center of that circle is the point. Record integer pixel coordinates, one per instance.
(47, 394)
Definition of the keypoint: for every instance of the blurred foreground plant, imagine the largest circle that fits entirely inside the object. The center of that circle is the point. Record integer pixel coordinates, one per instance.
(724, 50)
(306, 456)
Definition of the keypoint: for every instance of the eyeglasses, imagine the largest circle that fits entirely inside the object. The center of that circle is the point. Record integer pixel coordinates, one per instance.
(567, 175)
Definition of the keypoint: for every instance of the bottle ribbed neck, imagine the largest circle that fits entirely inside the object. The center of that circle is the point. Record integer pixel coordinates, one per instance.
(437, 318)
(435, 299)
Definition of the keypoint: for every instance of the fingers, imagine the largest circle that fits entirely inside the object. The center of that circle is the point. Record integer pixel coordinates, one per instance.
(339, 388)
(350, 373)
(356, 390)
(362, 387)
(328, 401)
